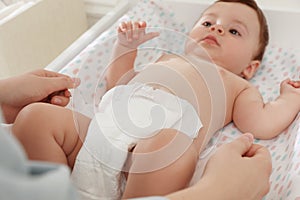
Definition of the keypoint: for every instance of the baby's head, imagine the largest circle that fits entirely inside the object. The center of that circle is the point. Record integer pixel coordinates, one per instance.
(235, 34)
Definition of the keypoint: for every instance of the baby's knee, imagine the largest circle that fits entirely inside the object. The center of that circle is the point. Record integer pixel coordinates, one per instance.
(37, 117)
(29, 121)
(32, 114)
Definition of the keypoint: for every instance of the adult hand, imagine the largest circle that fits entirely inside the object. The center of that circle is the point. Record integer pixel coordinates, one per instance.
(37, 86)
(238, 170)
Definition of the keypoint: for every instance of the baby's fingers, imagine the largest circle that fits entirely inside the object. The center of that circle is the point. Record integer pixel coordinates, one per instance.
(129, 31)
(126, 28)
(295, 84)
(135, 30)
(149, 36)
(138, 28)
(133, 33)
(285, 82)
(122, 27)
(142, 24)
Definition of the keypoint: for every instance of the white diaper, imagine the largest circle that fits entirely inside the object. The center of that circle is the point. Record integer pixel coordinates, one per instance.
(126, 114)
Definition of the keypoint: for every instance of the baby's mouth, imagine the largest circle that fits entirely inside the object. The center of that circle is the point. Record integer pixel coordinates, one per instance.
(212, 40)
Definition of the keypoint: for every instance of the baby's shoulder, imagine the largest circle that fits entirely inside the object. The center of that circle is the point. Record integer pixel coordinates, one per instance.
(236, 85)
(233, 79)
(250, 91)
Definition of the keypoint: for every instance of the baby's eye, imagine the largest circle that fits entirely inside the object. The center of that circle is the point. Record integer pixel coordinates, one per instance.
(206, 24)
(234, 32)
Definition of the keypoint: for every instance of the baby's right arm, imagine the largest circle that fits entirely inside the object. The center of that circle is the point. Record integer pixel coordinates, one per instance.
(267, 120)
(130, 36)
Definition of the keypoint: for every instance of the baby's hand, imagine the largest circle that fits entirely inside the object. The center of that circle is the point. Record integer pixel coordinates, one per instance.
(295, 84)
(289, 86)
(131, 34)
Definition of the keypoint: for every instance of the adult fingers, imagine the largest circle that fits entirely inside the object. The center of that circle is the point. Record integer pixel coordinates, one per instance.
(242, 144)
(55, 84)
(262, 155)
(60, 81)
(253, 149)
(263, 162)
(47, 73)
(60, 100)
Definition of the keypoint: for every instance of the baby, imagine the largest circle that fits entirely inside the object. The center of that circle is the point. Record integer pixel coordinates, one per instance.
(195, 99)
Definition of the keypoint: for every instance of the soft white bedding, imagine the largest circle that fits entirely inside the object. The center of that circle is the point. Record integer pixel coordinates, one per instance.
(281, 60)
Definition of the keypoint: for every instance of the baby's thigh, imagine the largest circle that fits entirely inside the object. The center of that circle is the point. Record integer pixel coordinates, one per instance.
(46, 121)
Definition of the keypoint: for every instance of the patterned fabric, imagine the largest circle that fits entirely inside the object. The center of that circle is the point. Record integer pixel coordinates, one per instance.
(278, 63)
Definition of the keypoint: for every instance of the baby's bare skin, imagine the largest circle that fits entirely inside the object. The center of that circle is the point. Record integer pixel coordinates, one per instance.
(190, 82)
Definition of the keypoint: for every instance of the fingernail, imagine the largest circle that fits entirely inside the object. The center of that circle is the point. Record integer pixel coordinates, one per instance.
(249, 137)
(76, 81)
(57, 101)
(68, 93)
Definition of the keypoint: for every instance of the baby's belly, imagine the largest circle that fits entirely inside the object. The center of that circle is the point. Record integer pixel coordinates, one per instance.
(201, 86)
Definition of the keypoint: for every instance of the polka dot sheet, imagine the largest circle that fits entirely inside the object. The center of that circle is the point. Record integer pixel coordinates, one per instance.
(278, 64)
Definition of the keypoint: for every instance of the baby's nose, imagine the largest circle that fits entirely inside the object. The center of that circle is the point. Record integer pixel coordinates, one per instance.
(218, 28)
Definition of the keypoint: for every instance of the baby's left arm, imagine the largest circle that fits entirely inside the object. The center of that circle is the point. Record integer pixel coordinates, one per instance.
(131, 34)
(267, 120)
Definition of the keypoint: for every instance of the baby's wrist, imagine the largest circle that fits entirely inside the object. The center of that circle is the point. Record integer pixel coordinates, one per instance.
(120, 50)
(291, 98)
(119, 45)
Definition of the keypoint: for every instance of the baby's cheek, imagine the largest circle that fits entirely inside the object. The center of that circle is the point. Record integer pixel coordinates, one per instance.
(195, 33)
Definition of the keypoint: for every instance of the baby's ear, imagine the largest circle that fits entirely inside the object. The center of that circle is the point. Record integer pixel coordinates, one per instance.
(249, 71)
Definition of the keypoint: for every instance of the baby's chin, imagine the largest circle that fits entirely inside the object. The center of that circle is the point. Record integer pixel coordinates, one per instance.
(199, 52)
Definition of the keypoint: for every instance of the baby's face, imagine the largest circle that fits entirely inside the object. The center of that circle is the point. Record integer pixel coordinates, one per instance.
(229, 32)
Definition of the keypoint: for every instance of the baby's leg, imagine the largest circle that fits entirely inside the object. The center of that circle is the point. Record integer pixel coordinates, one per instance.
(51, 133)
(168, 144)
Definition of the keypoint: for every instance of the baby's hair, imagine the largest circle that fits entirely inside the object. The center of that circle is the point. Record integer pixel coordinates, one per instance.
(264, 32)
